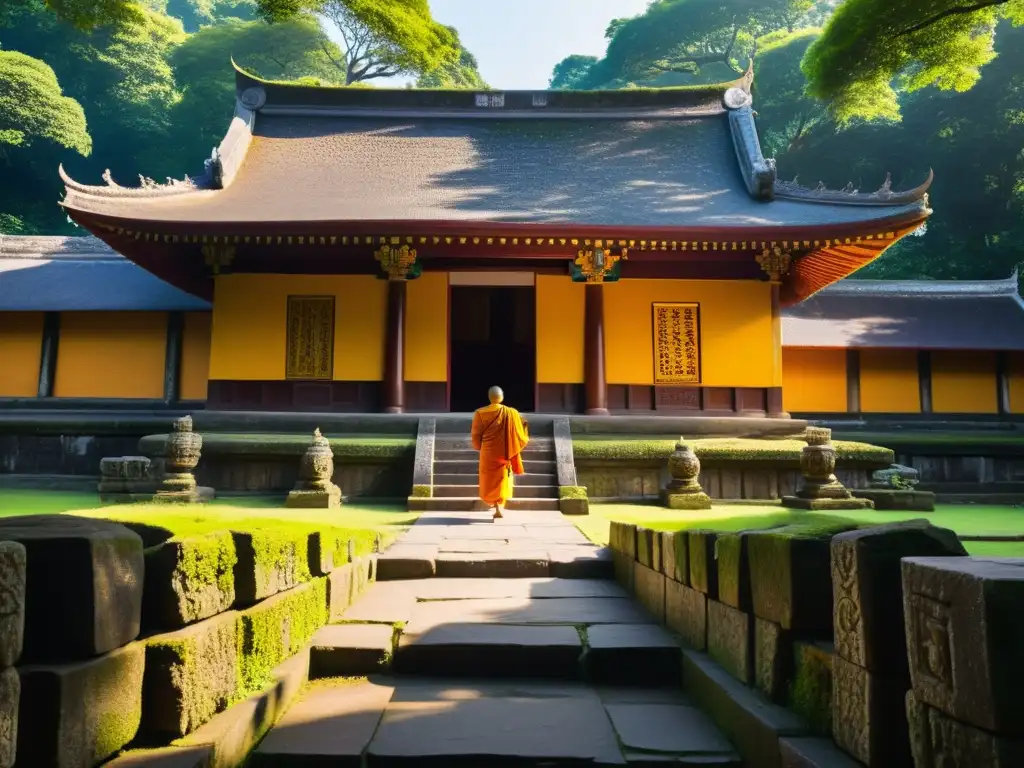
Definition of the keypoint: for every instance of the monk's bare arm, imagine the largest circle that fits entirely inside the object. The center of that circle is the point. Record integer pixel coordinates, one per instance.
(476, 432)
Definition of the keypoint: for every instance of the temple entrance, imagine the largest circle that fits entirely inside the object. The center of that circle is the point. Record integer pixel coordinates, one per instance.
(493, 342)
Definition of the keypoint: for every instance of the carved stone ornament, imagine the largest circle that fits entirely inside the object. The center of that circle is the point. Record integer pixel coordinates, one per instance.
(597, 261)
(396, 260)
(818, 466)
(736, 98)
(683, 490)
(775, 263)
(314, 488)
(182, 456)
(253, 98)
(217, 257)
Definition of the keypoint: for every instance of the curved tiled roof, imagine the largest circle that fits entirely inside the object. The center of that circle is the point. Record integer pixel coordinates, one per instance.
(65, 274)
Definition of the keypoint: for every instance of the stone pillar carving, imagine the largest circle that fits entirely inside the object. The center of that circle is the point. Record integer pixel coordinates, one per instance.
(819, 488)
(399, 262)
(683, 491)
(125, 479)
(314, 488)
(181, 458)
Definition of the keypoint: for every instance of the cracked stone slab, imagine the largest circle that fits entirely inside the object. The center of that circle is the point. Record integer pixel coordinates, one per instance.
(673, 729)
(529, 721)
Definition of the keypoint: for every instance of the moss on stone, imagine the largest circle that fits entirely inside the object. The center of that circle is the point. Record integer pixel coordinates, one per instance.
(353, 447)
(188, 579)
(733, 570)
(713, 450)
(572, 492)
(422, 491)
(810, 693)
(271, 631)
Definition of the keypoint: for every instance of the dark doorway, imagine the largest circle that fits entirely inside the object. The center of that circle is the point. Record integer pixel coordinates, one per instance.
(493, 342)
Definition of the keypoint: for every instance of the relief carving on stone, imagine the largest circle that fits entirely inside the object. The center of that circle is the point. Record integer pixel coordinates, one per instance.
(932, 644)
(848, 619)
(850, 726)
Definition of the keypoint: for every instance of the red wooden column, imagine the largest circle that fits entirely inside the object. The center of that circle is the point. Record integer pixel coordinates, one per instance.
(394, 349)
(593, 351)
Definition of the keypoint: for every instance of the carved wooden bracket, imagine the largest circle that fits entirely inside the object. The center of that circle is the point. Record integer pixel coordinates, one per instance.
(396, 260)
(775, 263)
(596, 259)
(217, 257)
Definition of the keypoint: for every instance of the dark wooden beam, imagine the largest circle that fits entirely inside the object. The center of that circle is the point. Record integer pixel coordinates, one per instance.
(172, 357)
(48, 353)
(394, 349)
(593, 351)
(924, 379)
(1003, 383)
(853, 380)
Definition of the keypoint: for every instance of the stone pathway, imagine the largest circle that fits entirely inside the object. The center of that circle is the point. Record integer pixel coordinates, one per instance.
(520, 656)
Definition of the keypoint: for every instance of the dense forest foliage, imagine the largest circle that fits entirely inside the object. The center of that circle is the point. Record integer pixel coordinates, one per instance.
(846, 91)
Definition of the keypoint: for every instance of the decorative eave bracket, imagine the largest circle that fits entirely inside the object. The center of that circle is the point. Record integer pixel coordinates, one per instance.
(597, 263)
(398, 261)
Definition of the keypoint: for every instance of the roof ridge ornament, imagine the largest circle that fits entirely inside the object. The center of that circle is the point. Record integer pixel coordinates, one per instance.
(850, 195)
(253, 98)
(147, 187)
(736, 98)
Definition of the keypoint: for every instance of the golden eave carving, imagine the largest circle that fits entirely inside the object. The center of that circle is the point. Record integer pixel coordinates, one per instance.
(395, 258)
(775, 262)
(597, 260)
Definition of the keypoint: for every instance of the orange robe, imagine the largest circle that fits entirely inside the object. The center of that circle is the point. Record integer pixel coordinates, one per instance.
(500, 435)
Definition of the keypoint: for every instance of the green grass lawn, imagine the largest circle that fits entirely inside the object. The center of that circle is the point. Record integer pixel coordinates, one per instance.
(608, 447)
(965, 519)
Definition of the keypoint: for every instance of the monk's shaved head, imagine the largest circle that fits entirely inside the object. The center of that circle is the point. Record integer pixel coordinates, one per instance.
(495, 395)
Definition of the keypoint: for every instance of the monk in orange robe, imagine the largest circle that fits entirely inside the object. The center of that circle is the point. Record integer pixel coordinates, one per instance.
(499, 433)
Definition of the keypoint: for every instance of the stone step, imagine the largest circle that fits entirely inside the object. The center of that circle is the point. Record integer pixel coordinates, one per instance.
(468, 454)
(445, 722)
(521, 491)
(524, 560)
(472, 478)
(462, 442)
(350, 650)
(465, 467)
(469, 504)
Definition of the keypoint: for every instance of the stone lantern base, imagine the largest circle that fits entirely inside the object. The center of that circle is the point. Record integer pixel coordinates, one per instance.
(328, 497)
(201, 494)
(698, 500)
(825, 504)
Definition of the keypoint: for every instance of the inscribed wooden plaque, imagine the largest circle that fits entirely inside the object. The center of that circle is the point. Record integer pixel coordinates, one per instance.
(676, 343)
(310, 337)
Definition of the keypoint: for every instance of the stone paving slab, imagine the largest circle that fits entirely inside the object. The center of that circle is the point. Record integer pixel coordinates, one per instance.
(633, 653)
(407, 561)
(524, 721)
(511, 564)
(491, 650)
(580, 563)
(350, 650)
(523, 610)
(329, 724)
(380, 602)
(668, 728)
(473, 546)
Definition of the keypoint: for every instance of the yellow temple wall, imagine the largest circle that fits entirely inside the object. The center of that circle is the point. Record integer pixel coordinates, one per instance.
(250, 322)
(1016, 366)
(426, 328)
(813, 380)
(111, 355)
(195, 355)
(736, 331)
(560, 316)
(889, 381)
(964, 382)
(21, 342)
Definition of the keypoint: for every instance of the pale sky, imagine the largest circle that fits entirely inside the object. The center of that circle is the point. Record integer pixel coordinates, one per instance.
(518, 43)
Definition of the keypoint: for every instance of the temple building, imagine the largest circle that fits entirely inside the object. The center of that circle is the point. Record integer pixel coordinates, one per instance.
(359, 250)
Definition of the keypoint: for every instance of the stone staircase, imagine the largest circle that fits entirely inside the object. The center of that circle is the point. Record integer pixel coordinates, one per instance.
(527, 670)
(455, 486)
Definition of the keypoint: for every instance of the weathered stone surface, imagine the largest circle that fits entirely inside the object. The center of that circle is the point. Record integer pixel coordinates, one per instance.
(581, 563)
(623, 566)
(648, 547)
(790, 580)
(407, 561)
(939, 741)
(524, 610)
(867, 590)
(557, 723)
(909, 501)
(965, 635)
(339, 592)
(10, 693)
(326, 550)
(386, 602)
(637, 654)
(810, 694)
(733, 570)
(491, 650)
(703, 573)
(813, 752)
(125, 476)
(83, 585)
(512, 564)
(350, 650)
(329, 724)
(686, 613)
(773, 659)
(165, 757)
(269, 561)
(868, 715)
(669, 729)
(649, 586)
(77, 715)
(730, 640)
(190, 676)
(13, 565)
(622, 538)
(233, 733)
(675, 562)
(751, 723)
(188, 579)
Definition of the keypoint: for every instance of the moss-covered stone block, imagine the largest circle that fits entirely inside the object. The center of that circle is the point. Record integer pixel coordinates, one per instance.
(622, 538)
(270, 560)
(10, 693)
(191, 675)
(898, 500)
(329, 550)
(83, 589)
(685, 500)
(773, 660)
(572, 500)
(703, 570)
(164, 757)
(271, 631)
(675, 561)
(189, 579)
(339, 592)
(422, 491)
(13, 566)
(790, 577)
(733, 570)
(77, 715)
(810, 693)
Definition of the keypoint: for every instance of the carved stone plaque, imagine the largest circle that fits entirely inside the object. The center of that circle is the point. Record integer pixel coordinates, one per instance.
(310, 345)
(676, 343)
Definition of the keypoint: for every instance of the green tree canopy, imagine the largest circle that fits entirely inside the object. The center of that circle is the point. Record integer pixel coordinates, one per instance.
(787, 117)
(33, 108)
(871, 49)
(201, 13)
(571, 72)
(462, 73)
